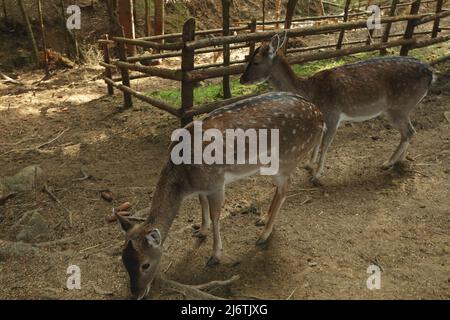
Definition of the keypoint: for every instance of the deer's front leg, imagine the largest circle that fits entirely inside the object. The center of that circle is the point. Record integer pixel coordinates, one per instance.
(215, 206)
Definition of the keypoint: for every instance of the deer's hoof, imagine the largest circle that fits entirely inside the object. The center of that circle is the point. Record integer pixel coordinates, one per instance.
(261, 222)
(212, 261)
(387, 166)
(315, 181)
(261, 241)
(198, 234)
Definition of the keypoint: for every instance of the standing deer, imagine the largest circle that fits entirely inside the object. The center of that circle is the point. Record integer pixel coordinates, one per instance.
(389, 86)
(300, 127)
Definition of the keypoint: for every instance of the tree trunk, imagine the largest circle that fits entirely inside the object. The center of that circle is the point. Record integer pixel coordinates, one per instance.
(148, 21)
(159, 17)
(127, 22)
(29, 31)
(44, 42)
(277, 12)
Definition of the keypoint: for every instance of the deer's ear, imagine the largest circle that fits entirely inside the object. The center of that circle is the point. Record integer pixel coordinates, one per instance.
(154, 238)
(273, 46)
(124, 222)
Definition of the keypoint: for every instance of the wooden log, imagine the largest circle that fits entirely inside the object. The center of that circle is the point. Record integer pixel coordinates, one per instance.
(150, 70)
(157, 103)
(435, 31)
(206, 66)
(226, 47)
(432, 17)
(409, 30)
(348, 51)
(132, 77)
(200, 75)
(345, 19)
(150, 44)
(197, 33)
(187, 64)
(429, 42)
(127, 99)
(387, 27)
(265, 35)
(107, 61)
(143, 57)
(107, 65)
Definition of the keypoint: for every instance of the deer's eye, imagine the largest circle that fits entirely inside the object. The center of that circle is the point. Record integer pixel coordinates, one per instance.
(145, 266)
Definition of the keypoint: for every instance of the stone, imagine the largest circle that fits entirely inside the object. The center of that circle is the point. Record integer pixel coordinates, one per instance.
(36, 228)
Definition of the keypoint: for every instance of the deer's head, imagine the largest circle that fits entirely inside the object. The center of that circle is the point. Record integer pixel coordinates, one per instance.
(261, 61)
(141, 255)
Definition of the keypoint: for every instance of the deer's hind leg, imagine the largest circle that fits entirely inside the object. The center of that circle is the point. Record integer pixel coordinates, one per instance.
(200, 232)
(403, 124)
(332, 125)
(277, 201)
(215, 206)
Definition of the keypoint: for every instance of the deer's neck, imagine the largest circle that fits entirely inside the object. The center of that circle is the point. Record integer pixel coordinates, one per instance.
(283, 78)
(166, 200)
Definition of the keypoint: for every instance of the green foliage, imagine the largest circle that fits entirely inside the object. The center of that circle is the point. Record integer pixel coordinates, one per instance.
(208, 93)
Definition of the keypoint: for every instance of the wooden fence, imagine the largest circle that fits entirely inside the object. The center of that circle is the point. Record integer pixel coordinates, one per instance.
(191, 42)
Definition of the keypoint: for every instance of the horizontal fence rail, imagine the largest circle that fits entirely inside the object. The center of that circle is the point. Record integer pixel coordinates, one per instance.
(191, 43)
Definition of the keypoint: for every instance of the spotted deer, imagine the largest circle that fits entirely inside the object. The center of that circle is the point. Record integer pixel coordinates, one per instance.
(389, 86)
(299, 125)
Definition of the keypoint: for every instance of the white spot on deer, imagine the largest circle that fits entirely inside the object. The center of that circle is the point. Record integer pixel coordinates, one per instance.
(294, 131)
(283, 122)
(293, 149)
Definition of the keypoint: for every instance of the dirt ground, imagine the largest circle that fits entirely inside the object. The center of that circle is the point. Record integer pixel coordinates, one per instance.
(324, 240)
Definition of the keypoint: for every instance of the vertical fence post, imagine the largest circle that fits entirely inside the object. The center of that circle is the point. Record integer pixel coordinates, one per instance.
(127, 99)
(187, 64)
(409, 31)
(436, 30)
(107, 59)
(252, 45)
(226, 47)
(387, 27)
(341, 35)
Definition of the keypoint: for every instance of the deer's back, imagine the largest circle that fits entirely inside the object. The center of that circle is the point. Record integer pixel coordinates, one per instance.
(388, 82)
(297, 121)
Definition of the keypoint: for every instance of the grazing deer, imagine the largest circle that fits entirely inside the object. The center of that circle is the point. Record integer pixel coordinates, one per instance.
(299, 125)
(389, 86)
